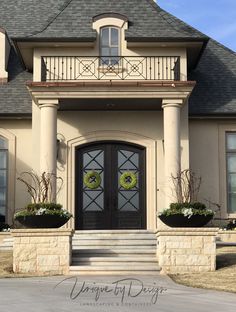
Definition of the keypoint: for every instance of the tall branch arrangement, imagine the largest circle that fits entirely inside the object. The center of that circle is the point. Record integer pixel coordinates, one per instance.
(40, 186)
(186, 186)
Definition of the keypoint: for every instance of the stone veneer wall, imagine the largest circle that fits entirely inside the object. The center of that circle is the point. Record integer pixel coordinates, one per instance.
(42, 251)
(184, 250)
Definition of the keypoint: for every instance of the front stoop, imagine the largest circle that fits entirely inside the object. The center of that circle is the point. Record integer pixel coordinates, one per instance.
(7, 244)
(114, 252)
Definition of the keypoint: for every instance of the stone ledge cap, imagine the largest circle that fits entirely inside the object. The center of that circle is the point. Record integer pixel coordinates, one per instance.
(188, 232)
(42, 232)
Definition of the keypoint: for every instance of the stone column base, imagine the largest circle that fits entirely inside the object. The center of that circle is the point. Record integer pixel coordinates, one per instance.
(42, 251)
(187, 250)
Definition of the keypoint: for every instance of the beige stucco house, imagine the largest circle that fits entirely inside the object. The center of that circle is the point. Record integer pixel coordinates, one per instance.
(113, 86)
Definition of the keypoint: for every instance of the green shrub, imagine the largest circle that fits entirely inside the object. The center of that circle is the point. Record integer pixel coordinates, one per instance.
(179, 206)
(49, 206)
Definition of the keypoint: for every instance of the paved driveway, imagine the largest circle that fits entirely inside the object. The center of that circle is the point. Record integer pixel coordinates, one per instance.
(111, 293)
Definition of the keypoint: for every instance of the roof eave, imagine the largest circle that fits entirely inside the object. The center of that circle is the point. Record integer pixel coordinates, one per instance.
(166, 39)
(213, 115)
(48, 39)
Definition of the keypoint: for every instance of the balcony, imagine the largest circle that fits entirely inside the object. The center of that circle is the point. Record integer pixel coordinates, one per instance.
(75, 68)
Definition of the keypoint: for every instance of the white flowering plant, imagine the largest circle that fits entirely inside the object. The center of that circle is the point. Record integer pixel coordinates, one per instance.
(187, 209)
(40, 209)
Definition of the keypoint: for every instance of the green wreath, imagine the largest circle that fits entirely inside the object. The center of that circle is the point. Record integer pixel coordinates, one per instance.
(92, 180)
(128, 180)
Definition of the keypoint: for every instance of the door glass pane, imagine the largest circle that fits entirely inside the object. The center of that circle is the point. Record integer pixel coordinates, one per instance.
(2, 213)
(3, 143)
(93, 181)
(128, 171)
(114, 51)
(105, 51)
(128, 160)
(114, 37)
(105, 37)
(114, 60)
(232, 182)
(231, 141)
(231, 163)
(128, 201)
(232, 203)
(105, 60)
(3, 159)
(2, 197)
(3, 178)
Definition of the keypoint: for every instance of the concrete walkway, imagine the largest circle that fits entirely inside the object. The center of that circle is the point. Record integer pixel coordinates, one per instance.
(110, 293)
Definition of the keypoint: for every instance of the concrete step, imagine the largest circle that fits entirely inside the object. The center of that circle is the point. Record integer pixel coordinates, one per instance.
(114, 250)
(142, 264)
(7, 244)
(90, 232)
(6, 248)
(111, 259)
(114, 242)
(112, 253)
(10, 239)
(117, 251)
(114, 237)
(124, 268)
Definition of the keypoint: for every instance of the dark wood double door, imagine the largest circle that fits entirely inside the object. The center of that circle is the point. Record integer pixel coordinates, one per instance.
(110, 187)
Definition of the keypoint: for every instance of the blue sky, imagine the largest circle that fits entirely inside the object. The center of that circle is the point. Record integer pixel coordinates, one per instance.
(215, 18)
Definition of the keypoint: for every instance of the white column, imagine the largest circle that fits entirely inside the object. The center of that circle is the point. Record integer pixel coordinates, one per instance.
(48, 139)
(172, 148)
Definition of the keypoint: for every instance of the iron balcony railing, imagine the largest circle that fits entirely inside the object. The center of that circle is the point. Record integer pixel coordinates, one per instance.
(71, 68)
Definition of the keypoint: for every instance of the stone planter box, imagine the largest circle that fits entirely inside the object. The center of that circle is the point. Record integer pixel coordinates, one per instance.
(42, 251)
(187, 250)
(227, 236)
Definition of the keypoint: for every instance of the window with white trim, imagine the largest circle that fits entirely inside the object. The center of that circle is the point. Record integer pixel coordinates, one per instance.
(109, 45)
(3, 177)
(231, 171)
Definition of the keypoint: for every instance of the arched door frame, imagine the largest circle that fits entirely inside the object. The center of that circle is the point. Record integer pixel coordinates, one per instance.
(121, 136)
(119, 208)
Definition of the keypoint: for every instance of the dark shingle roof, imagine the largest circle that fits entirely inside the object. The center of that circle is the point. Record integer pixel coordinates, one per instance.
(23, 17)
(14, 97)
(215, 91)
(73, 19)
(215, 74)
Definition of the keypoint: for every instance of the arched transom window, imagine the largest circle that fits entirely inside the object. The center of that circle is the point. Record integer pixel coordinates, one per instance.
(110, 45)
(3, 177)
